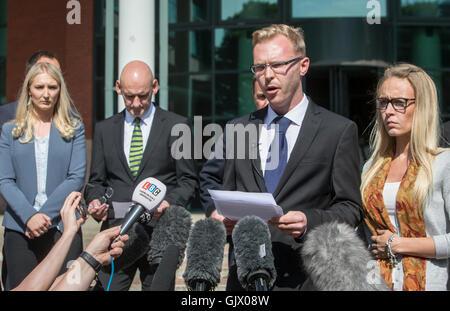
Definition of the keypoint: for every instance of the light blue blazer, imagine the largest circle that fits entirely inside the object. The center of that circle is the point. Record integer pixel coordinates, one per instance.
(66, 171)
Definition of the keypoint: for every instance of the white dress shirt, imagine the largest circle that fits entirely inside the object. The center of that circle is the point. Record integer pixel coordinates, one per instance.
(146, 124)
(296, 115)
(390, 192)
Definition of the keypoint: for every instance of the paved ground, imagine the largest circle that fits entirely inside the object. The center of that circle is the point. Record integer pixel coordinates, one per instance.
(91, 227)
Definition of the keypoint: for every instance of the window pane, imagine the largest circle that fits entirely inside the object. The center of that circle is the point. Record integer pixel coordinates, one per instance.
(234, 49)
(185, 11)
(334, 8)
(233, 95)
(249, 9)
(189, 51)
(424, 46)
(425, 8)
(442, 81)
(317, 85)
(190, 95)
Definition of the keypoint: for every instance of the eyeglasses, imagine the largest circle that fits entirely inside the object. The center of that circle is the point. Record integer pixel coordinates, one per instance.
(278, 67)
(399, 104)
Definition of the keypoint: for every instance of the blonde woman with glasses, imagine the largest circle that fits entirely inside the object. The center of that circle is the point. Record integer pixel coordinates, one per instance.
(42, 160)
(406, 183)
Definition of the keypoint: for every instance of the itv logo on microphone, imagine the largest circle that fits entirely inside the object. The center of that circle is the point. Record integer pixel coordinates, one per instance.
(152, 188)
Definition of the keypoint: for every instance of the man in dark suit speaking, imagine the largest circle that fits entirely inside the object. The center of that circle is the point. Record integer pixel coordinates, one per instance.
(317, 175)
(129, 147)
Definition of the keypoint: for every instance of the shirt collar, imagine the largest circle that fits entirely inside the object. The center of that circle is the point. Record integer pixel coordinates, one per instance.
(144, 119)
(295, 114)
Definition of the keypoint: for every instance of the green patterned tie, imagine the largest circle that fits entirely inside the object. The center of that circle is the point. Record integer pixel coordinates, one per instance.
(136, 148)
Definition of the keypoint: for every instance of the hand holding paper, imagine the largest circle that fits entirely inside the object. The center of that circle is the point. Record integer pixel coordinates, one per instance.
(237, 204)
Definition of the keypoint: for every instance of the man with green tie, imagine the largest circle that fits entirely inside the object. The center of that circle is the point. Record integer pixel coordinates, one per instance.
(129, 147)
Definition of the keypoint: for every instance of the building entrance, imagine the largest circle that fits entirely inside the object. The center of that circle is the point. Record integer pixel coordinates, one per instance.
(348, 90)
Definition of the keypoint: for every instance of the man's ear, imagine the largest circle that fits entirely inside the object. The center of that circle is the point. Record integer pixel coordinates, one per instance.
(118, 87)
(304, 66)
(155, 86)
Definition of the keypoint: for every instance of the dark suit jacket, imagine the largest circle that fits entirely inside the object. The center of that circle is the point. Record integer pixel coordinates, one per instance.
(321, 179)
(445, 142)
(110, 168)
(211, 176)
(7, 113)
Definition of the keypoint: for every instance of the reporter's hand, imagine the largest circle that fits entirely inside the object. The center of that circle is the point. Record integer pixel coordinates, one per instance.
(159, 210)
(293, 223)
(99, 245)
(37, 225)
(68, 216)
(227, 222)
(97, 210)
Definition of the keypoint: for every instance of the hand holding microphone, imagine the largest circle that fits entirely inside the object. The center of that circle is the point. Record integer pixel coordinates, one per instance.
(101, 248)
(147, 197)
(69, 218)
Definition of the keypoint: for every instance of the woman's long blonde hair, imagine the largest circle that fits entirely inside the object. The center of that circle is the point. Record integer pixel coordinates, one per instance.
(425, 132)
(65, 117)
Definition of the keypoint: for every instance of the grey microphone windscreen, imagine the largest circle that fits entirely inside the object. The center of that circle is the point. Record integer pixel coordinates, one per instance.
(336, 259)
(253, 251)
(136, 247)
(172, 227)
(205, 253)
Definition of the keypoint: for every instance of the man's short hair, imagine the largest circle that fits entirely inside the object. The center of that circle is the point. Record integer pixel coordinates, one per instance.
(36, 56)
(295, 35)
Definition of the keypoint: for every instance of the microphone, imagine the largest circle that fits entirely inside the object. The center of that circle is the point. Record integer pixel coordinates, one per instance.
(172, 228)
(205, 255)
(136, 247)
(147, 196)
(253, 252)
(336, 259)
(164, 277)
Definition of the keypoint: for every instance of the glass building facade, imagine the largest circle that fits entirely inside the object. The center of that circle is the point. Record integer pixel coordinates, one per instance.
(209, 51)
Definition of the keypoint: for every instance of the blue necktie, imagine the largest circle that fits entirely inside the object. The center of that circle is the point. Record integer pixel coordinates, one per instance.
(277, 155)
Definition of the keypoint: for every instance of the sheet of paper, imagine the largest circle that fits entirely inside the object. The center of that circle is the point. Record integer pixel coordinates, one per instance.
(237, 204)
(121, 208)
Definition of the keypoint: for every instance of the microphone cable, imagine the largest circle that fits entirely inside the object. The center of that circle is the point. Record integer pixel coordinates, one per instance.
(112, 274)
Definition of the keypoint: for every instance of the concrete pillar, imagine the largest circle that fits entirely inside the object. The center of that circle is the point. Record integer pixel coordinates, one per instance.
(136, 34)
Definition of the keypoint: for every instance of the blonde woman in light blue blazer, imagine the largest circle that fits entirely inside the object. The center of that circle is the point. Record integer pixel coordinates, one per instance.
(42, 160)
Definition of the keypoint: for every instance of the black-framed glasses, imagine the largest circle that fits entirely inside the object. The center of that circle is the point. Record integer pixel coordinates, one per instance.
(277, 67)
(399, 103)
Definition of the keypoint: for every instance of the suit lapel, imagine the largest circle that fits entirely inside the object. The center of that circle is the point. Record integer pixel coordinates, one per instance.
(257, 118)
(308, 131)
(118, 137)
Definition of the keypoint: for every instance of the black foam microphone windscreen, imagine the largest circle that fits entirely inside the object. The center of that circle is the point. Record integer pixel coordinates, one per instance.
(336, 259)
(172, 227)
(164, 277)
(136, 247)
(205, 255)
(253, 253)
